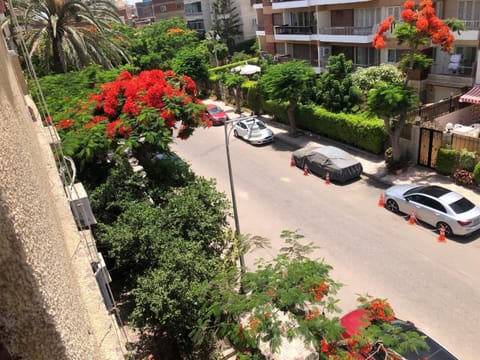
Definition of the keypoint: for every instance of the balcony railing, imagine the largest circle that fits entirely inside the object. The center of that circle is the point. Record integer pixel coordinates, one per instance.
(466, 71)
(294, 30)
(346, 30)
(253, 2)
(471, 24)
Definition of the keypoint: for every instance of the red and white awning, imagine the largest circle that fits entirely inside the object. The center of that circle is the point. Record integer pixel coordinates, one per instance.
(472, 96)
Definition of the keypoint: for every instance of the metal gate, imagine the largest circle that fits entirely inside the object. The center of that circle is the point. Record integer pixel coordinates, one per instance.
(430, 141)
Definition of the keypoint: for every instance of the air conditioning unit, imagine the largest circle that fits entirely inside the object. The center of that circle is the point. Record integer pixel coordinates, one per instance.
(78, 199)
(103, 279)
(163, 8)
(325, 51)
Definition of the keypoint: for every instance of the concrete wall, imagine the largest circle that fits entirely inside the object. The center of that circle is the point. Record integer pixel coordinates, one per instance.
(50, 305)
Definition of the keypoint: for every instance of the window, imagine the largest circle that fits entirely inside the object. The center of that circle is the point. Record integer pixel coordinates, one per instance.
(365, 56)
(367, 17)
(468, 10)
(395, 12)
(300, 19)
(301, 51)
(196, 25)
(428, 202)
(194, 8)
(279, 48)
(394, 55)
(277, 19)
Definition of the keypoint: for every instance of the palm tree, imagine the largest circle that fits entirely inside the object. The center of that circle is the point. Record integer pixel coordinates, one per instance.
(68, 34)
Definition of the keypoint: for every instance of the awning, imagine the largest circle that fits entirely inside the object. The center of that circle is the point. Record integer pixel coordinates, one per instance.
(472, 96)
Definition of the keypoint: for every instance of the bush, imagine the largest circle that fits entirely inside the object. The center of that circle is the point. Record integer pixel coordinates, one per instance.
(466, 160)
(446, 161)
(365, 133)
(255, 98)
(476, 173)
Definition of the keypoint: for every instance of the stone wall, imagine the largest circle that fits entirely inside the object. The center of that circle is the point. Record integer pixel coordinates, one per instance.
(50, 305)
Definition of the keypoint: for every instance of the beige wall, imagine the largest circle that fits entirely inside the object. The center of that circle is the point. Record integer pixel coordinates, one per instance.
(50, 306)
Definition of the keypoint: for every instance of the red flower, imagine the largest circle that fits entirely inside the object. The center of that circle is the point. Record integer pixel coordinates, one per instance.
(64, 124)
(408, 15)
(385, 25)
(422, 24)
(48, 120)
(409, 4)
(378, 42)
(111, 128)
(124, 131)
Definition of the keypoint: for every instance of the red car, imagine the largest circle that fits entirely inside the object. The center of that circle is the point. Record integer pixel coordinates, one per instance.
(216, 114)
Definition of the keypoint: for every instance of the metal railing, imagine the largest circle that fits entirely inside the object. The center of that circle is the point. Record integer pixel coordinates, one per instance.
(294, 30)
(347, 30)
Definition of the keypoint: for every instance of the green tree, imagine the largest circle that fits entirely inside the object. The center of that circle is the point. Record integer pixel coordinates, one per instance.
(226, 22)
(419, 27)
(336, 90)
(193, 64)
(293, 296)
(163, 40)
(366, 78)
(290, 81)
(234, 82)
(71, 34)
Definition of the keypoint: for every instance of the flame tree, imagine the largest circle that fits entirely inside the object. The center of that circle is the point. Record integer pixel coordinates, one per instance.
(420, 26)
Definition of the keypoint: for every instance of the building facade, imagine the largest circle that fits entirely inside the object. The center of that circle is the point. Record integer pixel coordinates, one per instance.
(312, 30)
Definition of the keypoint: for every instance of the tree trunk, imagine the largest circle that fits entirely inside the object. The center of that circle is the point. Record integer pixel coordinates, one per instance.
(291, 116)
(238, 100)
(394, 129)
(58, 65)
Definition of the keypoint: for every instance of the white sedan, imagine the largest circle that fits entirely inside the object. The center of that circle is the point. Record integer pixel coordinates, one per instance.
(253, 130)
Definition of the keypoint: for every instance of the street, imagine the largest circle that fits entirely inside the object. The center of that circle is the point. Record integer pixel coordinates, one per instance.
(435, 285)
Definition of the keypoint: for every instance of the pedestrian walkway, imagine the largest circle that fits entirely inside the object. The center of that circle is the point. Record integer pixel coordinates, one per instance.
(373, 165)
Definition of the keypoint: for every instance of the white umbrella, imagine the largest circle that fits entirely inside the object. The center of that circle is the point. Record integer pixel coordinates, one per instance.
(247, 69)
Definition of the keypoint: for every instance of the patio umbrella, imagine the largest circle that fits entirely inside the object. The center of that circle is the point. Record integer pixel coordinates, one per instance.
(247, 69)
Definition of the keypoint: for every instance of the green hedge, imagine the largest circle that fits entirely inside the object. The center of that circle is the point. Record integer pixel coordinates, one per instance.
(446, 161)
(357, 130)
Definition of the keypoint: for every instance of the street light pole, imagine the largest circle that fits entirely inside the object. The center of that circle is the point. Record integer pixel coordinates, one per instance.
(232, 189)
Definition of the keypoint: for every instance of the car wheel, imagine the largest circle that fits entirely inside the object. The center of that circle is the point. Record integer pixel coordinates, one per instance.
(392, 206)
(235, 133)
(446, 227)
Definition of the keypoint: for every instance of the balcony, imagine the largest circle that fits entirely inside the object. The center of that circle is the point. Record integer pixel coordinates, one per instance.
(471, 34)
(293, 4)
(297, 33)
(346, 34)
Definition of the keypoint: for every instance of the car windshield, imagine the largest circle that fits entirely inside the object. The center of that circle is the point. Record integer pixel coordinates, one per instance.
(462, 205)
(257, 125)
(215, 110)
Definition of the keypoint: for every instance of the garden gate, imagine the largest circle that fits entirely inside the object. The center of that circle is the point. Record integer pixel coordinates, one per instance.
(430, 141)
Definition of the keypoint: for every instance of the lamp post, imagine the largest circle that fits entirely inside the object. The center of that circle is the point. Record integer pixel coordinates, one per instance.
(232, 189)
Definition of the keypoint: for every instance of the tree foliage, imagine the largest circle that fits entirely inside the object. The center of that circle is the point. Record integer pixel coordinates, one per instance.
(291, 82)
(192, 63)
(336, 89)
(366, 78)
(226, 22)
(71, 34)
(420, 26)
(163, 40)
(135, 112)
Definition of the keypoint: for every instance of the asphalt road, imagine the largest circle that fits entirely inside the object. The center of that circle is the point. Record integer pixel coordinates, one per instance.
(436, 285)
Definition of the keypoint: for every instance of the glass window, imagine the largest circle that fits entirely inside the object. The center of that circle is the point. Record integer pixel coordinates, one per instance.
(278, 19)
(301, 51)
(395, 12)
(279, 48)
(394, 55)
(367, 17)
(462, 205)
(469, 10)
(194, 8)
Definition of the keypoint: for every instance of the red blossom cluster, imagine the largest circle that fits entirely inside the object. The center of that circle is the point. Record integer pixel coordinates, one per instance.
(312, 315)
(422, 17)
(379, 309)
(121, 102)
(64, 124)
(174, 31)
(319, 290)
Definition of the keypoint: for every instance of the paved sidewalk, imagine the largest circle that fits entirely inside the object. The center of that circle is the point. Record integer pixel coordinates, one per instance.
(373, 165)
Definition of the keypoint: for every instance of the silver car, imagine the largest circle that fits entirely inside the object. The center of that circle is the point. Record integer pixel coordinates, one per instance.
(435, 206)
(253, 130)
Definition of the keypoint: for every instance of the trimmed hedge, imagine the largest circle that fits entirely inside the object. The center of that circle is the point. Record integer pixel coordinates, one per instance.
(446, 161)
(365, 133)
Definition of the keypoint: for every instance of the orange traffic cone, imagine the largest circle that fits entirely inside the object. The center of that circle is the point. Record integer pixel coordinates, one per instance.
(292, 161)
(441, 235)
(381, 201)
(305, 170)
(327, 178)
(412, 220)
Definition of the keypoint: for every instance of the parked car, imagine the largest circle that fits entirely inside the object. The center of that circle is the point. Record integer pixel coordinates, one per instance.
(253, 130)
(435, 206)
(355, 320)
(340, 165)
(216, 114)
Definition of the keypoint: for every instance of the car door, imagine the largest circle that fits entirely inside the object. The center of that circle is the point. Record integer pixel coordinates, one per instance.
(427, 209)
(242, 129)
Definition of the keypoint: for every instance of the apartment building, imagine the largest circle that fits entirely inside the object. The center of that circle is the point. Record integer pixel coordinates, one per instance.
(312, 30)
(199, 16)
